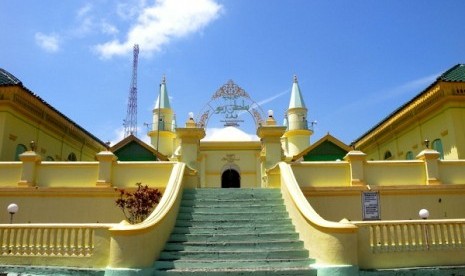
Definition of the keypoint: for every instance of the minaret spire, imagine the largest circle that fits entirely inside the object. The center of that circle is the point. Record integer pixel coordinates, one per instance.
(297, 134)
(297, 101)
(163, 99)
(162, 134)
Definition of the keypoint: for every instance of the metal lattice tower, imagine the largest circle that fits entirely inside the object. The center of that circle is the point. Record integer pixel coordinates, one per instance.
(130, 124)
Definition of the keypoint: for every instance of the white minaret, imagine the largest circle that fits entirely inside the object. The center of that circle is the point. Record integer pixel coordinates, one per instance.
(163, 134)
(298, 134)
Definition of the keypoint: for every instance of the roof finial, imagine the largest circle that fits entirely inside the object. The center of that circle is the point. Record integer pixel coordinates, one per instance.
(163, 80)
(295, 78)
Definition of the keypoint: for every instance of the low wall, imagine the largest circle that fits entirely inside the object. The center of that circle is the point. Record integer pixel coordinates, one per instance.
(335, 188)
(66, 174)
(452, 172)
(154, 174)
(394, 173)
(325, 174)
(10, 173)
(87, 189)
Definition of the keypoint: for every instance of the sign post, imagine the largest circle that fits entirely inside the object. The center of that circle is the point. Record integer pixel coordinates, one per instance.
(370, 205)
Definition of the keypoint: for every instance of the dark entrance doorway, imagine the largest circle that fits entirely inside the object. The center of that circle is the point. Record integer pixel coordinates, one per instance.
(230, 179)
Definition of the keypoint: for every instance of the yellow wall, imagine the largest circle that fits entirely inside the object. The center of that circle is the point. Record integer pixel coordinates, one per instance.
(24, 118)
(21, 130)
(441, 118)
(404, 188)
(61, 205)
(65, 192)
(217, 157)
(395, 203)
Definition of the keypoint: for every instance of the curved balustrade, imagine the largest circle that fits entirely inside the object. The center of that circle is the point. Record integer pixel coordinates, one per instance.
(96, 245)
(326, 241)
(48, 240)
(54, 244)
(435, 242)
(139, 245)
(386, 236)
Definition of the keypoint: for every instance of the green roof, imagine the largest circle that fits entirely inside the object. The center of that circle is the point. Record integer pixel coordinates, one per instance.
(455, 74)
(8, 79)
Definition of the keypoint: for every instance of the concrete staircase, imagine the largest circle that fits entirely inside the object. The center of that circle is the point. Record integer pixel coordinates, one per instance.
(233, 232)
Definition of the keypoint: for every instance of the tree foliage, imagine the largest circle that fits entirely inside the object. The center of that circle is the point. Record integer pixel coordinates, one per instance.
(138, 205)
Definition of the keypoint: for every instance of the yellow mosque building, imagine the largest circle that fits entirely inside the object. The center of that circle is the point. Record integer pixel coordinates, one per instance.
(273, 204)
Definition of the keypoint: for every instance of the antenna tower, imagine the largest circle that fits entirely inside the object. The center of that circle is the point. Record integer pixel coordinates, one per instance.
(130, 124)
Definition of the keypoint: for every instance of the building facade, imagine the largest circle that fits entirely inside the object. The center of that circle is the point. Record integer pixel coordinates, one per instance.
(435, 117)
(27, 121)
(351, 214)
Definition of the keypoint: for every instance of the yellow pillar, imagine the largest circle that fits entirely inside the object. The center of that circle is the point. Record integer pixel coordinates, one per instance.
(431, 159)
(105, 160)
(272, 152)
(30, 161)
(356, 160)
(189, 138)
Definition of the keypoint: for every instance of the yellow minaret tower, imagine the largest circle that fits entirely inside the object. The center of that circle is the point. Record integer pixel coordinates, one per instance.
(163, 134)
(297, 135)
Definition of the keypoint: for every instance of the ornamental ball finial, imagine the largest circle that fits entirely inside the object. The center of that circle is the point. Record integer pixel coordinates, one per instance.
(295, 78)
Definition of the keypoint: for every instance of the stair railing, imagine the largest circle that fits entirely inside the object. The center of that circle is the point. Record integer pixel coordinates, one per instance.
(328, 242)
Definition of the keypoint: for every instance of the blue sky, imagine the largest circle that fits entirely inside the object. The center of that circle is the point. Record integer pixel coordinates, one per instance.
(356, 61)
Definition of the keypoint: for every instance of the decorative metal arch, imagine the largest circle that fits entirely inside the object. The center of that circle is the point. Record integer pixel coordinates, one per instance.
(231, 101)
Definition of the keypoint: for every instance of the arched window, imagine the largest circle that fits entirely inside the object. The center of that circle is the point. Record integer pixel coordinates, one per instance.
(72, 157)
(409, 155)
(20, 148)
(437, 146)
(387, 155)
(49, 158)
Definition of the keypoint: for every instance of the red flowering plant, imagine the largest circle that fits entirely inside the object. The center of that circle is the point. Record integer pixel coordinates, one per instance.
(138, 205)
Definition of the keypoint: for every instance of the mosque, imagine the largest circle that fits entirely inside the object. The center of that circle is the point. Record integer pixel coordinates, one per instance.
(390, 202)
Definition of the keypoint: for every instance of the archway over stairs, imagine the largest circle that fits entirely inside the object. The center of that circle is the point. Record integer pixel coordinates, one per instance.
(230, 179)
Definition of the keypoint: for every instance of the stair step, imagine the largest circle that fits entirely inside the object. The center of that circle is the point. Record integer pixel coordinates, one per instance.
(206, 208)
(242, 221)
(233, 264)
(234, 255)
(213, 229)
(232, 194)
(210, 216)
(231, 246)
(301, 271)
(233, 232)
(233, 237)
(243, 191)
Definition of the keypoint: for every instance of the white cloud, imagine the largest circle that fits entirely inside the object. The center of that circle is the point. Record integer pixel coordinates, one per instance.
(118, 135)
(84, 10)
(272, 98)
(127, 10)
(50, 43)
(87, 23)
(159, 23)
(108, 28)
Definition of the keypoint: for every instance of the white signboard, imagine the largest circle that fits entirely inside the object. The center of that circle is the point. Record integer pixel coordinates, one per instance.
(370, 205)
